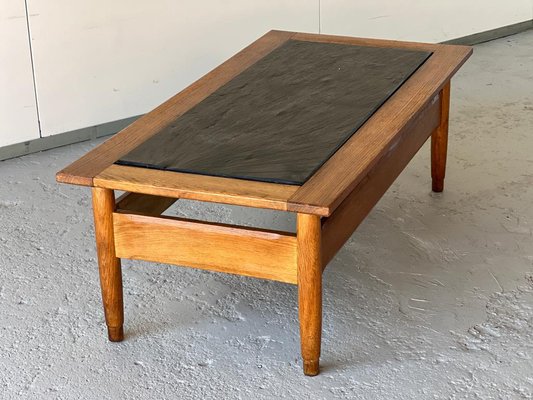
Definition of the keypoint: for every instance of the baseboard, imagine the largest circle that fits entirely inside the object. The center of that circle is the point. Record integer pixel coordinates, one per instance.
(93, 132)
(63, 139)
(492, 34)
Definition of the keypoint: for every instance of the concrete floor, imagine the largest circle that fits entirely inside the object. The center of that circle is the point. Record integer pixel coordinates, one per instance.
(432, 297)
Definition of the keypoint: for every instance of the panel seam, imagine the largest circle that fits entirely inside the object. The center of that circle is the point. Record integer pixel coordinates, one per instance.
(33, 69)
(320, 17)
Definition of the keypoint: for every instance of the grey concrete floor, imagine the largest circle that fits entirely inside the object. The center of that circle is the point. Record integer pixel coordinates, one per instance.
(432, 297)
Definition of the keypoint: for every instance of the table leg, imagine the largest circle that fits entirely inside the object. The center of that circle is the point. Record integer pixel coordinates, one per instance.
(308, 235)
(439, 142)
(109, 264)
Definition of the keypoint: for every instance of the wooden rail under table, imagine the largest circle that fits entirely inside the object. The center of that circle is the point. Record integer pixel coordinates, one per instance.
(329, 205)
(216, 247)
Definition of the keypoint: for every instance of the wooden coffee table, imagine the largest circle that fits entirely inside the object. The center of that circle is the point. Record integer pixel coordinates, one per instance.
(316, 125)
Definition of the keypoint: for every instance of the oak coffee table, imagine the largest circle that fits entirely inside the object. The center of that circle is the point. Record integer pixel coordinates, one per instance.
(316, 125)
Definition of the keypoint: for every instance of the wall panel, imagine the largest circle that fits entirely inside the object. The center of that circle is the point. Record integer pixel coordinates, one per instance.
(99, 60)
(420, 20)
(18, 116)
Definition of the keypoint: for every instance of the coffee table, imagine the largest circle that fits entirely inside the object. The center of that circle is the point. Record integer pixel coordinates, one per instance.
(311, 124)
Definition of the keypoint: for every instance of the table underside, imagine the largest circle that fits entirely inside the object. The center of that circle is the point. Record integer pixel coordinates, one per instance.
(282, 118)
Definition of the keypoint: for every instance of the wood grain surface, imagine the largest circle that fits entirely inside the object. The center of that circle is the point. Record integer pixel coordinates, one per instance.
(196, 187)
(216, 247)
(439, 143)
(108, 263)
(308, 235)
(144, 204)
(357, 41)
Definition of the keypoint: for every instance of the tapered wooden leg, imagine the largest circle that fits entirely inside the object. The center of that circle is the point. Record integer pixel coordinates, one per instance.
(109, 264)
(439, 142)
(309, 290)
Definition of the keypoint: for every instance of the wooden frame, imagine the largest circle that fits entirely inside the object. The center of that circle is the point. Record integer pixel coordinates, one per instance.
(328, 209)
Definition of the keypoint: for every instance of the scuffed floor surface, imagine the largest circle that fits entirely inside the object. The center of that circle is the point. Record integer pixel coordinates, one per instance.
(432, 297)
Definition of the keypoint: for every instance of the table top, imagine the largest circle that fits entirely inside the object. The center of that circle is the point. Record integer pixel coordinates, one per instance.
(283, 117)
(305, 137)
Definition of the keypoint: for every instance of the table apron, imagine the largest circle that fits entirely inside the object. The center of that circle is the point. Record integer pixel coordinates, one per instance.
(338, 228)
(216, 247)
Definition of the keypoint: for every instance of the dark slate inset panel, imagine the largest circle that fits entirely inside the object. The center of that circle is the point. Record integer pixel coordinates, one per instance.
(282, 118)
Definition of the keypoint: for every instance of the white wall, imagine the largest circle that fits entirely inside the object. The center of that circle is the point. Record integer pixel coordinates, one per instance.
(98, 61)
(420, 20)
(18, 117)
(101, 60)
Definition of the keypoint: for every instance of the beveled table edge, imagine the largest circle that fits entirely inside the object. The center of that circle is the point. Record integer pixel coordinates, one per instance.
(196, 187)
